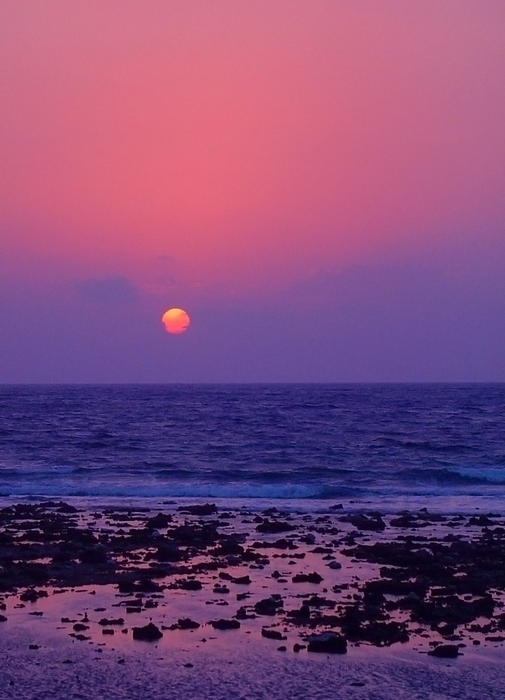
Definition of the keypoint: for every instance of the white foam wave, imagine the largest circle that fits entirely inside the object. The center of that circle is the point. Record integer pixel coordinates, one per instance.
(494, 475)
(209, 490)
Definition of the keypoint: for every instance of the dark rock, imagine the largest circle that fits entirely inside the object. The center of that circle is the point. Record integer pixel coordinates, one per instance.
(268, 606)
(365, 522)
(272, 634)
(148, 633)
(160, 520)
(79, 627)
(445, 651)
(31, 595)
(313, 577)
(195, 535)
(301, 615)
(335, 565)
(327, 643)
(274, 526)
(383, 634)
(228, 547)
(185, 623)
(203, 509)
(111, 621)
(189, 584)
(225, 624)
(168, 551)
(94, 555)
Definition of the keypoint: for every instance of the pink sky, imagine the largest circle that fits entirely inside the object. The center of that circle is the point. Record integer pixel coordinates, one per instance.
(231, 157)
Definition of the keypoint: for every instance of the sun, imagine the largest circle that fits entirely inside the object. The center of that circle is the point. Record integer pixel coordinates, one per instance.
(176, 321)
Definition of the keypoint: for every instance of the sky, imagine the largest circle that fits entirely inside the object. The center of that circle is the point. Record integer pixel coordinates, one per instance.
(319, 184)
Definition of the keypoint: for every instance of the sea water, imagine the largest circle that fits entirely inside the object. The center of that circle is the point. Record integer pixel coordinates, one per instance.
(359, 443)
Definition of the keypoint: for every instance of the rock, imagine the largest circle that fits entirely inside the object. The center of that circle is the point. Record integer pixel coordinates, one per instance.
(301, 615)
(241, 580)
(148, 633)
(185, 623)
(381, 634)
(31, 595)
(199, 509)
(480, 520)
(189, 584)
(111, 621)
(313, 577)
(308, 539)
(272, 634)
(282, 543)
(335, 565)
(96, 554)
(79, 627)
(229, 547)
(445, 651)
(274, 526)
(225, 624)
(327, 643)
(406, 521)
(160, 520)
(366, 522)
(168, 551)
(268, 606)
(195, 535)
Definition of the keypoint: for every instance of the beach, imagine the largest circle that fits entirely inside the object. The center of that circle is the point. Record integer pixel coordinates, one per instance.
(195, 599)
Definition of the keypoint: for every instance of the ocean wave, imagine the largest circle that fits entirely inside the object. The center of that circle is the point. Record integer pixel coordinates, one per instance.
(179, 490)
(456, 476)
(235, 483)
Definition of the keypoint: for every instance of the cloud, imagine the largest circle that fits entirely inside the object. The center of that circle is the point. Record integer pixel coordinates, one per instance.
(108, 290)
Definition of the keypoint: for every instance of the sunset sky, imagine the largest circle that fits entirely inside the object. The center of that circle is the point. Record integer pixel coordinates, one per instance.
(320, 184)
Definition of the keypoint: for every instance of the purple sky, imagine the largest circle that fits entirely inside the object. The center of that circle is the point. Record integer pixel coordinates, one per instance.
(320, 185)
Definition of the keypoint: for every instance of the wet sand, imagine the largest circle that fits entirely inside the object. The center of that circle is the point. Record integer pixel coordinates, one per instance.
(201, 601)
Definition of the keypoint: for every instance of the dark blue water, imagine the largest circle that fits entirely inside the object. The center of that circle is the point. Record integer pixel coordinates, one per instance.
(273, 441)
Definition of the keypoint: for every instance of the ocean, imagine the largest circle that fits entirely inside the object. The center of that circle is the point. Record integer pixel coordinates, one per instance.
(373, 444)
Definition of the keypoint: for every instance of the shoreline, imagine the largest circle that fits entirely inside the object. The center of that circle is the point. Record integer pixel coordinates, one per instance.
(388, 505)
(330, 591)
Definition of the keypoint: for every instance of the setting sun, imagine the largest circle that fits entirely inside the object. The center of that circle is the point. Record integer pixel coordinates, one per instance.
(176, 321)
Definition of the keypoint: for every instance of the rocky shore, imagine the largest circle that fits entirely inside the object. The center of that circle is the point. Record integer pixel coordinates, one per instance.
(198, 576)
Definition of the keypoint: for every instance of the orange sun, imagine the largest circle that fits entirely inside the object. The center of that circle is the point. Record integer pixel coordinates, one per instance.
(175, 321)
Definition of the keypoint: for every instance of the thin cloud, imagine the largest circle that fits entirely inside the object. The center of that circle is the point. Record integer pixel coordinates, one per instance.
(108, 290)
